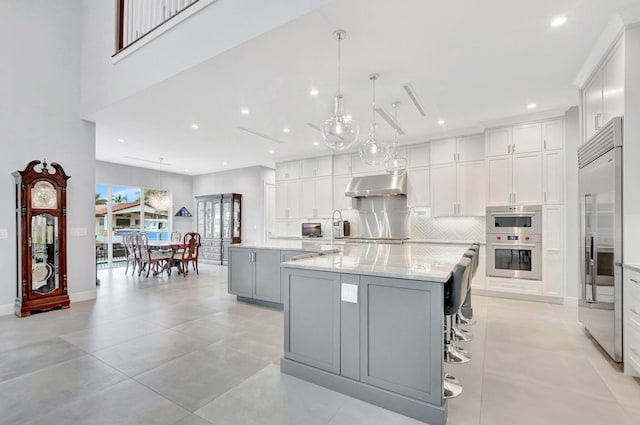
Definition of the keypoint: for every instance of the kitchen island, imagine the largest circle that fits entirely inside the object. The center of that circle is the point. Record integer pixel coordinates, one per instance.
(368, 322)
(254, 269)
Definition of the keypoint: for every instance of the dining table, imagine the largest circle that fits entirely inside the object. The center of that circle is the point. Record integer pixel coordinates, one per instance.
(174, 246)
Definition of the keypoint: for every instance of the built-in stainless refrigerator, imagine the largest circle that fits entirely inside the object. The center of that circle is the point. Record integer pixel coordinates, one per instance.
(600, 186)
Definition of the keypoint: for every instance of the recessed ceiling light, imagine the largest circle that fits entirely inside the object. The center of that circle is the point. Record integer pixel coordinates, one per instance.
(531, 105)
(441, 122)
(225, 163)
(316, 143)
(559, 21)
(244, 111)
(121, 140)
(186, 169)
(272, 151)
(313, 92)
(194, 126)
(286, 130)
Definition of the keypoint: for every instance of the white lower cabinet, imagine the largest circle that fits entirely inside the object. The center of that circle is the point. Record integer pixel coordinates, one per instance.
(521, 286)
(631, 318)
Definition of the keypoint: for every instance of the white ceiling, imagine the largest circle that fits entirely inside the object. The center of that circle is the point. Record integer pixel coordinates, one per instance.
(469, 61)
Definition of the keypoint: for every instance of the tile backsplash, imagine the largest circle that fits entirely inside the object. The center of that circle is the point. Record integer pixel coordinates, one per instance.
(424, 226)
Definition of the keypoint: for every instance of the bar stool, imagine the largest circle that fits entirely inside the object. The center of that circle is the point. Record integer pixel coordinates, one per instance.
(465, 315)
(454, 290)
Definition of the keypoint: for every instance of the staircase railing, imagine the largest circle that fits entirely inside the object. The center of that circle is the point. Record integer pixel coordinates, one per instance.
(137, 18)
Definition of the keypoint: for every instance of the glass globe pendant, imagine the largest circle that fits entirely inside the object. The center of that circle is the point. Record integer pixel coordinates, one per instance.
(373, 152)
(340, 131)
(396, 164)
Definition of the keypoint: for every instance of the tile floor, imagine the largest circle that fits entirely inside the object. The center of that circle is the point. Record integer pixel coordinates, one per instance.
(182, 351)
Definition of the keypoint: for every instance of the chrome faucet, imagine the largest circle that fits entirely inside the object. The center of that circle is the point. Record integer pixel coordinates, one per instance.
(333, 224)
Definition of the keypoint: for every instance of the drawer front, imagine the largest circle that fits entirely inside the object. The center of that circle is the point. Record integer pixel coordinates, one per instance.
(633, 341)
(521, 286)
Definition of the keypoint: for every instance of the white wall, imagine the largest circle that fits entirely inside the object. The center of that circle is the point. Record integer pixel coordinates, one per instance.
(39, 118)
(215, 29)
(250, 183)
(572, 213)
(179, 185)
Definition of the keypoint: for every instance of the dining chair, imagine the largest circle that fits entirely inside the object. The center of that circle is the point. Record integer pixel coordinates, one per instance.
(149, 258)
(129, 241)
(189, 253)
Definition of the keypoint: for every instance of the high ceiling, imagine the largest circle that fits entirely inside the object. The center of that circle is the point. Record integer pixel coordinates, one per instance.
(468, 61)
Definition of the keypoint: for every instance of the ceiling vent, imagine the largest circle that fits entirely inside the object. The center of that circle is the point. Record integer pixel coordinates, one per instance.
(256, 133)
(414, 98)
(389, 119)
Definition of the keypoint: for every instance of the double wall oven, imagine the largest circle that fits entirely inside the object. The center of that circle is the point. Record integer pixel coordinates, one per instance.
(514, 242)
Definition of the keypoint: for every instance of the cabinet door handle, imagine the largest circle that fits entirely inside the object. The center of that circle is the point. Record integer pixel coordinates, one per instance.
(513, 148)
(544, 144)
(458, 156)
(634, 311)
(633, 280)
(597, 121)
(509, 148)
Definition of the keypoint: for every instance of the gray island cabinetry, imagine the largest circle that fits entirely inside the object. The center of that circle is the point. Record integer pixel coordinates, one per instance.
(368, 322)
(254, 270)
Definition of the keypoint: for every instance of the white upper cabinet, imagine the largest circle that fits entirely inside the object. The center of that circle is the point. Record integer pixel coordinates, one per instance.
(443, 151)
(468, 148)
(361, 168)
(342, 164)
(527, 178)
(444, 201)
(471, 188)
(418, 187)
(418, 155)
(457, 189)
(315, 198)
(527, 138)
(499, 177)
(288, 170)
(553, 177)
(471, 148)
(613, 86)
(316, 167)
(287, 199)
(340, 201)
(498, 141)
(552, 134)
(603, 94)
(592, 106)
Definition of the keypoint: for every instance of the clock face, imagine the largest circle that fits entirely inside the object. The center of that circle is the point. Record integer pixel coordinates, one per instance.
(44, 196)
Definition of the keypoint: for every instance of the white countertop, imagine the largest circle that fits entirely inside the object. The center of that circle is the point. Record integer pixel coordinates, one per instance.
(416, 262)
(288, 245)
(632, 266)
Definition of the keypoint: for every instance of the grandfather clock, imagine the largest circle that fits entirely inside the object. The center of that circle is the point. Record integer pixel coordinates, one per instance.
(41, 211)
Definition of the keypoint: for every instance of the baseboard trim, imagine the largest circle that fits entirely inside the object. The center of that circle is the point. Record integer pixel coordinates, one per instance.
(518, 296)
(83, 296)
(6, 309)
(571, 301)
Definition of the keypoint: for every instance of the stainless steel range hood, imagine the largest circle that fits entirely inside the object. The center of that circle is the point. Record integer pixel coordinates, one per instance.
(380, 185)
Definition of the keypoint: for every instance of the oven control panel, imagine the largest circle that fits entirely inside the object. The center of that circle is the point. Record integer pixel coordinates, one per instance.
(518, 238)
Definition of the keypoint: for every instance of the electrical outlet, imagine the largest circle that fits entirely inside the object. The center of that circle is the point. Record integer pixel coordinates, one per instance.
(4, 234)
(349, 293)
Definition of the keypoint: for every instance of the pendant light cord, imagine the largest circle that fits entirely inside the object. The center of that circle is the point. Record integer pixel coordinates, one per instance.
(339, 63)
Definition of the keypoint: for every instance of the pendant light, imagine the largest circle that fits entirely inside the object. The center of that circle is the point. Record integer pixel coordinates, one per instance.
(373, 152)
(340, 131)
(395, 164)
(160, 199)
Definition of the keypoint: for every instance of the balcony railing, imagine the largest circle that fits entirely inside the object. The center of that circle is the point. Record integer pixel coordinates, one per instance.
(137, 18)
